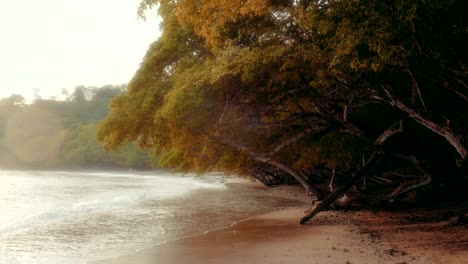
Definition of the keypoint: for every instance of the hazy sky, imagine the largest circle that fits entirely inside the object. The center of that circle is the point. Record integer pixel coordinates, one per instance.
(54, 44)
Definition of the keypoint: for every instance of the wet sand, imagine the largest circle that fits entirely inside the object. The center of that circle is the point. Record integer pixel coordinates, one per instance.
(332, 237)
(272, 238)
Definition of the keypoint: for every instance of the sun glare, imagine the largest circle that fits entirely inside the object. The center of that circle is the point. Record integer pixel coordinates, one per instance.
(35, 135)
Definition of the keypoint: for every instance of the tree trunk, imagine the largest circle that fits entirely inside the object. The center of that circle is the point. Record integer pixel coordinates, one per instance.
(373, 162)
(444, 130)
(409, 186)
(331, 198)
(310, 189)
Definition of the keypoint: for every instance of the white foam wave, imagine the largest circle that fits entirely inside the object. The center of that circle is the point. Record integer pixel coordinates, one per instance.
(149, 187)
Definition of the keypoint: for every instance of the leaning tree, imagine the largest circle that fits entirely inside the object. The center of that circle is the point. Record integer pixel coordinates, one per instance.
(342, 97)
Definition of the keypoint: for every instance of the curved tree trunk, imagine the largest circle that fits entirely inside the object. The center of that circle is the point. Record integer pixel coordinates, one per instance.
(310, 189)
(371, 165)
(443, 130)
(267, 158)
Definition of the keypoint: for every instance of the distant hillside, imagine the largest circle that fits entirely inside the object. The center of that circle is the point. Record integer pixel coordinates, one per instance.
(62, 134)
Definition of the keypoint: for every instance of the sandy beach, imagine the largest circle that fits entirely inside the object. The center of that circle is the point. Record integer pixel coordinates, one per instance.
(332, 237)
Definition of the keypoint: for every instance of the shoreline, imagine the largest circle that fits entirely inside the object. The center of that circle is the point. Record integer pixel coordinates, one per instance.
(289, 192)
(274, 237)
(331, 237)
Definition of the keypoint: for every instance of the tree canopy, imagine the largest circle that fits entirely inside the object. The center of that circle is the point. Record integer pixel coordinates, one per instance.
(302, 90)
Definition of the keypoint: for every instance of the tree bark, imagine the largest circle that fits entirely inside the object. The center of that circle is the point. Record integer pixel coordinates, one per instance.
(397, 127)
(443, 130)
(373, 162)
(310, 189)
(409, 186)
(371, 165)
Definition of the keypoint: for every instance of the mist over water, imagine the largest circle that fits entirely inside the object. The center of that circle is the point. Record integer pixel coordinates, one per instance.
(76, 217)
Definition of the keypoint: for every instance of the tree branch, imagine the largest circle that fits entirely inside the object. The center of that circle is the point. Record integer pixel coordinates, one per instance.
(416, 90)
(375, 160)
(310, 189)
(397, 127)
(443, 130)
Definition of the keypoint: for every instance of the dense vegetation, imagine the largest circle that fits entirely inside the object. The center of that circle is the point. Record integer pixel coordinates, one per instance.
(370, 94)
(62, 134)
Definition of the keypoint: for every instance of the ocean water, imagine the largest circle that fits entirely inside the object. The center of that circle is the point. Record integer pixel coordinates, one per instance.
(76, 217)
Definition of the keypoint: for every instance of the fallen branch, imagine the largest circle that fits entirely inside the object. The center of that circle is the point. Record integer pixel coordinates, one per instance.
(407, 187)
